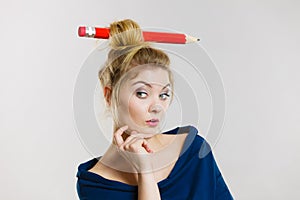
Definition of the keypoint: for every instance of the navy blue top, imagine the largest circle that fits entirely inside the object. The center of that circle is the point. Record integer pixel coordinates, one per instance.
(192, 177)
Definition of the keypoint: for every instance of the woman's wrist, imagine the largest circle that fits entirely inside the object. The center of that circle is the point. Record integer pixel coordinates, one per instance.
(148, 178)
(147, 187)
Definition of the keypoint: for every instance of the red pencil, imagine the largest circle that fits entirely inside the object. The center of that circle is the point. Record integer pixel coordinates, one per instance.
(161, 37)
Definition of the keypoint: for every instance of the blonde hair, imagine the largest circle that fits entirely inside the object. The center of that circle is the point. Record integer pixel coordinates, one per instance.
(127, 50)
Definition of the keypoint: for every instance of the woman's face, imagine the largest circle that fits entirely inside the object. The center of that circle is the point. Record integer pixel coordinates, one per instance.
(144, 100)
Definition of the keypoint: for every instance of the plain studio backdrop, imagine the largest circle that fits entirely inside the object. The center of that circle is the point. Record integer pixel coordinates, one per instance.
(254, 45)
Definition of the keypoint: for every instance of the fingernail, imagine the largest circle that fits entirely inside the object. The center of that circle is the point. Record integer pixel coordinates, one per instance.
(124, 127)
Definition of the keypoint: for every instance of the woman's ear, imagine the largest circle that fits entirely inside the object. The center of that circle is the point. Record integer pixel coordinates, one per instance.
(107, 94)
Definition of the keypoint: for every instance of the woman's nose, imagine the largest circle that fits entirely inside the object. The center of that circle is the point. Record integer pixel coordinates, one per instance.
(156, 107)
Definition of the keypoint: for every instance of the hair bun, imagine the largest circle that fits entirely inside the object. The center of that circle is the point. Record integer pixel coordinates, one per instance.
(126, 33)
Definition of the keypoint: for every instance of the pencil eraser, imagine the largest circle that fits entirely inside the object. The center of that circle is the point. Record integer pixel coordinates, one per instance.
(81, 31)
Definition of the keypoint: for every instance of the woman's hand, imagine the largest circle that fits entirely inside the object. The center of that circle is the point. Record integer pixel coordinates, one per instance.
(135, 149)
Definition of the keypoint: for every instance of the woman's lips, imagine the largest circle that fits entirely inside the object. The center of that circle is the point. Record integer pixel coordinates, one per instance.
(152, 122)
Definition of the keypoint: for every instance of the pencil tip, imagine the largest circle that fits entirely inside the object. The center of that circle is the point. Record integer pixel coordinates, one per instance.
(190, 39)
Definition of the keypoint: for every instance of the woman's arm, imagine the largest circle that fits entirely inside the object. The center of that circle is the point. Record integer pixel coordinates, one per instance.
(136, 150)
(147, 187)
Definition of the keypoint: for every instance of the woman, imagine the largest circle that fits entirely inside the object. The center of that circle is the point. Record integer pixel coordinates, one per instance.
(143, 163)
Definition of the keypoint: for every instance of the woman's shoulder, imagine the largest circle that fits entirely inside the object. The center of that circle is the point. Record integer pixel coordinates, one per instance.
(193, 141)
(86, 165)
(190, 130)
(182, 130)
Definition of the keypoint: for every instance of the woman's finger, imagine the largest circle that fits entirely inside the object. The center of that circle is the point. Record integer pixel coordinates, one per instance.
(146, 146)
(130, 139)
(144, 143)
(131, 145)
(135, 142)
(118, 135)
(137, 145)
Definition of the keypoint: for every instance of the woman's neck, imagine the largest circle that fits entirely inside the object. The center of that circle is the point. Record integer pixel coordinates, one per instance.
(165, 149)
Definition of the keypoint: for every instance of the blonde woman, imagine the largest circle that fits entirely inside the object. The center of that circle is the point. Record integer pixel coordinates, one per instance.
(142, 162)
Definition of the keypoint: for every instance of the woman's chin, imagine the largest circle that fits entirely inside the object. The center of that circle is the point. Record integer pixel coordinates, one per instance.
(151, 131)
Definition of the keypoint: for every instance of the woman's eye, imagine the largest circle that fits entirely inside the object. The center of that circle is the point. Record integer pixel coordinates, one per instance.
(141, 94)
(164, 95)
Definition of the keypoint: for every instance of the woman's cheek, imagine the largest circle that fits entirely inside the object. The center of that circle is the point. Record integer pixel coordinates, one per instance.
(137, 111)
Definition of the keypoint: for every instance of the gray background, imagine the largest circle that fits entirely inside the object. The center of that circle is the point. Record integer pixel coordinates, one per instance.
(255, 46)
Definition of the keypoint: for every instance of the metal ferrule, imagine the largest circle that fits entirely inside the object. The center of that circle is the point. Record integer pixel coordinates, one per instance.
(90, 31)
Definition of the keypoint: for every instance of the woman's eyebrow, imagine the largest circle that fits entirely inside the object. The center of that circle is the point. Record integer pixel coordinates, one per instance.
(149, 85)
